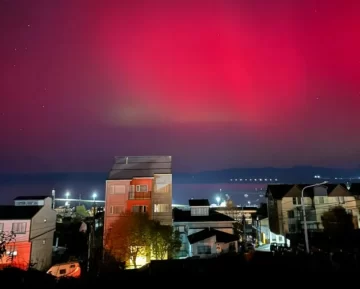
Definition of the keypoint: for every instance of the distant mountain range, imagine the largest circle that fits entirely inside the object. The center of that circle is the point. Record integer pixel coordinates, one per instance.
(303, 174)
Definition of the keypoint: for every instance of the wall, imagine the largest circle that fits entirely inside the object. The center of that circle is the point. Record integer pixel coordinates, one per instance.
(21, 245)
(162, 194)
(114, 196)
(21, 259)
(43, 226)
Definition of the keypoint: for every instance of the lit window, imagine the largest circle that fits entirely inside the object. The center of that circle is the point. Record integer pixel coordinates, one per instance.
(161, 208)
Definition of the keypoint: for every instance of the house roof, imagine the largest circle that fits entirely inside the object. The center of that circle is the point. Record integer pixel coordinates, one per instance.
(199, 203)
(18, 212)
(278, 191)
(20, 198)
(185, 216)
(128, 167)
(221, 237)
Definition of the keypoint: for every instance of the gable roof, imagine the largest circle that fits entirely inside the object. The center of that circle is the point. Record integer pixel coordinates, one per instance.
(128, 167)
(221, 237)
(18, 212)
(185, 216)
(199, 203)
(20, 198)
(278, 191)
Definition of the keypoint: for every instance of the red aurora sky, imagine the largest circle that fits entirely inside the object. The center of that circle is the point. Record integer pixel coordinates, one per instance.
(216, 84)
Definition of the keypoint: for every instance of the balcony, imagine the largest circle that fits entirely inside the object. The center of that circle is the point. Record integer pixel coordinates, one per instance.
(139, 195)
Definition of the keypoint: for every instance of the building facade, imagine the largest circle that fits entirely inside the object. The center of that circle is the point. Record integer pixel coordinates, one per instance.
(204, 232)
(285, 210)
(139, 184)
(32, 229)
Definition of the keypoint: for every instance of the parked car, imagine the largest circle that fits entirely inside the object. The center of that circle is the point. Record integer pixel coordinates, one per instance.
(63, 270)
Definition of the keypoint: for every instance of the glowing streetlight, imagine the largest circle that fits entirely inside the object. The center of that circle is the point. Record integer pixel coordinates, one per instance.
(67, 194)
(218, 199)
(94, 195)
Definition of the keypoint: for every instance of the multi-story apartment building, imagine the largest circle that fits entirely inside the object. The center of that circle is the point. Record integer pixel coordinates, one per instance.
(139, 184)
(285, 211)
(32, 228)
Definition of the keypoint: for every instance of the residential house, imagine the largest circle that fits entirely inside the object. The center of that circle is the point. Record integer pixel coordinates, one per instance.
(139, 184)
(32, 228)
(285, 211)
(204, 232)
(237, 213)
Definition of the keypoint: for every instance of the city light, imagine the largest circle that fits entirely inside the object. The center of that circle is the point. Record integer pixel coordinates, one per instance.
(94, 196)
(218, 199)
(67, 194)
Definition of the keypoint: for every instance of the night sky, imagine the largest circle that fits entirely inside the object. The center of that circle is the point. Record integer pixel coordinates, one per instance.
(215, 84)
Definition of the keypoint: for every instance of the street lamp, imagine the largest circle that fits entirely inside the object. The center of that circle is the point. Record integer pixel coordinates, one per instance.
(304, 215)
(94, 195)
(67, 194)
(218, 199)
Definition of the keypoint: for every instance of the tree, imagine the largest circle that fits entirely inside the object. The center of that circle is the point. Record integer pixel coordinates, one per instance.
(237, 229)
(5, 240)
(81, 211)
(129, 237)
(337, 221)
(164, 241)
(262, 211)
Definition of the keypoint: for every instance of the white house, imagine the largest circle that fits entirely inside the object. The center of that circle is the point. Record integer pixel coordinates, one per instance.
(30, 232)
(204, 232)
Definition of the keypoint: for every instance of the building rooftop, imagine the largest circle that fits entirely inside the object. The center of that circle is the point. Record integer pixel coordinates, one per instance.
(23, 198)
(221, 237)
(18, 213)
(185, 216)
(199, 203)
(294, 190)
(128, 167)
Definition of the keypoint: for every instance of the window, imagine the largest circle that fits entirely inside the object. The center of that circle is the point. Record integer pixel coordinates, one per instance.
(72, 266)
(294, 201)
(203, 249)
(19, 228)
(321, 200)
(139, 209)
(44, 242)
(291, 214)
(115, 210)
(1, 227)
(341, 200)
(62, 271)
(280, 239)
(161, 208)
(181, 229)
(162, 188)
(141, 188)
(200, 211)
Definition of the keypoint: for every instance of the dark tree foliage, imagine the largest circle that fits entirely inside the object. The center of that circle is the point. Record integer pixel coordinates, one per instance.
(337, 221)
